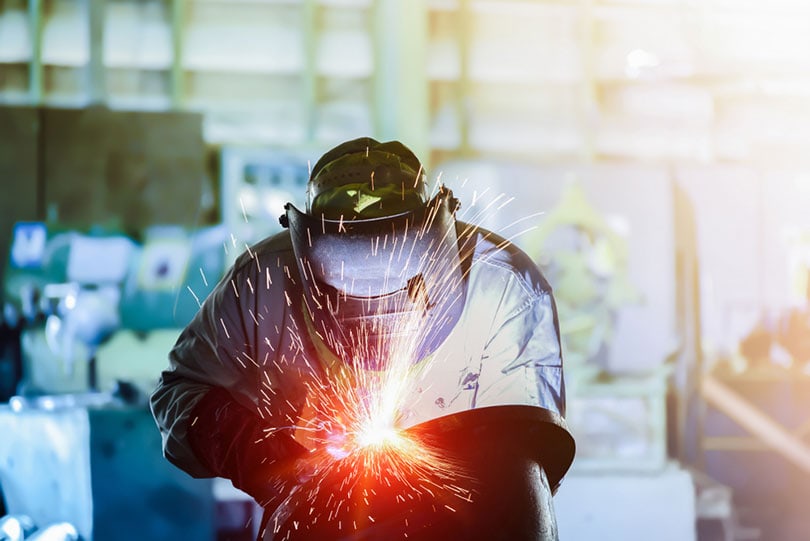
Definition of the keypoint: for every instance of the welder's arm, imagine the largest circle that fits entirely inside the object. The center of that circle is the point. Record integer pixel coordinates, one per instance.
(523, 365)
(511, 496)
(230, 441)
(205, 401)
(522, 362)
(207, 433)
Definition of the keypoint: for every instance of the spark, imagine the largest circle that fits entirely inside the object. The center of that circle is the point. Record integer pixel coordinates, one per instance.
(244, 212)
(374, 435)
(196, 298)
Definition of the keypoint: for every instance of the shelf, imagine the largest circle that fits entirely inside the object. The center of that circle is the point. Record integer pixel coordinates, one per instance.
(267, 70)
(15, 39)
(137, 35)
(444, 61)
(248, 2)
(343, 43)
(139, 103)
(65, 35)
(484, 73)
(65, 100)
(336, 119)
(522, 8)
(245, 66)
(244, 90)
(247, 50)
(135, 63)
(526, 136)
(735, 42)
(138, 89)
(626, 11)
(444, 128)
(525, 43)
(618, 136)
(345, 55)
(641, 3)
(296, 3)
(502, 63)
(352, 4)
(260, 105)
(791, 7)
(14, 98)
(285, 127)
(64, 84)
(243, 37)
(443, 5)
(660, 100)
(14, 84)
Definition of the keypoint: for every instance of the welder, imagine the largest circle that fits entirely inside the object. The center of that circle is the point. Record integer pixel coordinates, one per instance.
(376, 280)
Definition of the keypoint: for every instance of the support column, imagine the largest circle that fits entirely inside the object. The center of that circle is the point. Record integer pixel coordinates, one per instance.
(400, 87)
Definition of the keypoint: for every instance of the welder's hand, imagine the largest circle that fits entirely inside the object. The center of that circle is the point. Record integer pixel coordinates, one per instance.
(270, 482)
(231, 441)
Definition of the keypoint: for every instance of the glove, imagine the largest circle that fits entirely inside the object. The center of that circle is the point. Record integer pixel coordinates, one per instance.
(228, 439)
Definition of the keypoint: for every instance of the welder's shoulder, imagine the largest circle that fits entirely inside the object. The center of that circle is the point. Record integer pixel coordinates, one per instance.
(498, 255)
(274, 251)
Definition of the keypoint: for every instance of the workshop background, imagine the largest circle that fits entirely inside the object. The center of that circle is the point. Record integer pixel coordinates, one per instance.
(653, 156)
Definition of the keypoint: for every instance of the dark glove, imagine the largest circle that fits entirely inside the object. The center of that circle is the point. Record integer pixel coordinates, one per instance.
(228, 439)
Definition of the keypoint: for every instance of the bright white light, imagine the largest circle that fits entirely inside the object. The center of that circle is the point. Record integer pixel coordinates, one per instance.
(802, 182)
(638, 60)
(70, 302)
(274, 200)
(378, 436)
(249, 202)
(16, 404)
(336, 452)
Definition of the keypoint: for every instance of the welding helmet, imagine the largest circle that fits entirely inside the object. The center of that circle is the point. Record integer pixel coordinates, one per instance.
(378, 259)
(364, 178)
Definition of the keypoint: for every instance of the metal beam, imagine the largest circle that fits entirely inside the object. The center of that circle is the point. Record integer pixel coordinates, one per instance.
(35, 63)
(177, 18)
(400, 92)
(748, 416)
(96, 84)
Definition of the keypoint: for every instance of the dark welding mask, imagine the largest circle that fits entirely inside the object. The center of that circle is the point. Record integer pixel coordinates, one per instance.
(380, 265)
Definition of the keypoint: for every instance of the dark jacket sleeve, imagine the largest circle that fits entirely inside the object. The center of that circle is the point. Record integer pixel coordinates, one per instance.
(207, 402)
(231, 442)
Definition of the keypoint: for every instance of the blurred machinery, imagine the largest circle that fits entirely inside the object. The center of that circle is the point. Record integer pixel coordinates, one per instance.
(754, 423)
(612, 261)
(585, 257)
(89, 314)
(256, 184)
(76, 295)
(23, 528)
(94, 316)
